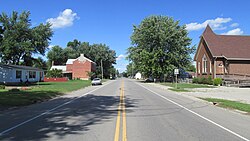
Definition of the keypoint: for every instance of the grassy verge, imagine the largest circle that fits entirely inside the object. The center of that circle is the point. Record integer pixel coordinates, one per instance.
(183, 87)
(40, 92)
(230, 104)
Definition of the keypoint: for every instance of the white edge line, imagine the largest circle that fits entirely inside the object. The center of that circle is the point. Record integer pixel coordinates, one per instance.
(49, 111)
(222, 127)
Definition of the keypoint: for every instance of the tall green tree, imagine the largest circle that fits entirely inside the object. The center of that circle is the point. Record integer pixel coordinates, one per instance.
(57, 56)
(40, 63)
(159, 44)
(19, 41)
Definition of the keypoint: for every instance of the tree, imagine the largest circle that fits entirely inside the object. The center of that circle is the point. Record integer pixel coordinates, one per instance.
(74, 44)
(159, 44)
(131, 69)
(19, 41)
(40, 63)
(57, 55)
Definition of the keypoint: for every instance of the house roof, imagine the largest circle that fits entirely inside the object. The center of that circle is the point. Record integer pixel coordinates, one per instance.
(19, 67)
(83, 58)
(63, 68)
(80, 58)
(70, 61)
(228, 46)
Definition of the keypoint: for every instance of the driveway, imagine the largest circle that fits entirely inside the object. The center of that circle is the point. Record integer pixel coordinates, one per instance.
(228, 93)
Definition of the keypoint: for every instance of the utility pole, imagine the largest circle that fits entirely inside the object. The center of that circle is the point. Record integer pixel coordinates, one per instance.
(102, 68)
(132, 70)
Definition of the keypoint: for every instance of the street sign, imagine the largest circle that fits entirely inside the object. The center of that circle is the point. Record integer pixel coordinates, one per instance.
(176, 71)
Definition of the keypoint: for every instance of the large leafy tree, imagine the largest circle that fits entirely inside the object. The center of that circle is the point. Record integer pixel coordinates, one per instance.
(159, 44)
(57, 56)
(19, 41)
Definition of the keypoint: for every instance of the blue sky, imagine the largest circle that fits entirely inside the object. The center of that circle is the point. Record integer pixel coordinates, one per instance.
(111, 21)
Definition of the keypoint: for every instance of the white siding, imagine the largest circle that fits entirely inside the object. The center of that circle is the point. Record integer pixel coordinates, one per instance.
(8, 75)
(5, 75)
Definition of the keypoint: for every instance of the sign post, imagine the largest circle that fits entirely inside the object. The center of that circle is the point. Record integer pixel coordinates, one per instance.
(176, 72)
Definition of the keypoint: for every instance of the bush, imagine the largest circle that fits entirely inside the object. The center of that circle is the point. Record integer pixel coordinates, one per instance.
(195, 80)
(217, 81)
(14, 90)
(2, 87)
(54, 73)
(209, 80)
(203, 80)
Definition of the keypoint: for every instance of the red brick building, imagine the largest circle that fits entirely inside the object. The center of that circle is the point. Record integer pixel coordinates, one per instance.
(222, 55)
(78, 68)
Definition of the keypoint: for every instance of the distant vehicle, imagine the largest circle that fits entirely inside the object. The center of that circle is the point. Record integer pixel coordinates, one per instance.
(150, 79)
(96, 81)
(112, 78)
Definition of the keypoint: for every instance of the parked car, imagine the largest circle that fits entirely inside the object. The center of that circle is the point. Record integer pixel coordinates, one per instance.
(96, 81)
(150, 79)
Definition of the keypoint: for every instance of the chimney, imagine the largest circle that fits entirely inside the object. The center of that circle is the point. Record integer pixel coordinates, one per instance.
(52, 63)
(82, 55)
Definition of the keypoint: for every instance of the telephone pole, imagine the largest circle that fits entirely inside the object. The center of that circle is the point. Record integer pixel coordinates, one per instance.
(102, 68)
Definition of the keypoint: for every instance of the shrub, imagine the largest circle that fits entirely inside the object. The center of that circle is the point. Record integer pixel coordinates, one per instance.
(14, 90)
(54, 73)
(203, 80)
(195, 80)
(217, 81)
(2, 87)
(209, 80)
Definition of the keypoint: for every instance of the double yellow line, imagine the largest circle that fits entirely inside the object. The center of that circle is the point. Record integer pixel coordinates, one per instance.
(118, 120)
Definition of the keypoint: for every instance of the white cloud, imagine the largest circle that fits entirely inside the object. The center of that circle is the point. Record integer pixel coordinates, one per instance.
(236, 31)
(65, 19)
(234, 25)
(216, 24)
(120, 57)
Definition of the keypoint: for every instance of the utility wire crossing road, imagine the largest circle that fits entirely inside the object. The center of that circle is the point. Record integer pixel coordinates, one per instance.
(147, 113)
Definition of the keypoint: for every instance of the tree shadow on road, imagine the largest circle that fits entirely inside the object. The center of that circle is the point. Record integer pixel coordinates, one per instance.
(75, 118)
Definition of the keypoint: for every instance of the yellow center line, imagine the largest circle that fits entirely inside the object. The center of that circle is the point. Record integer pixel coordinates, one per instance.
(124, 129)
(121, 107)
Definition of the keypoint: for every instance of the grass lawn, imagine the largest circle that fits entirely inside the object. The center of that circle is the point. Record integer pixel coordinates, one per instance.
(40, 92)
(183, 87)
(230, 104)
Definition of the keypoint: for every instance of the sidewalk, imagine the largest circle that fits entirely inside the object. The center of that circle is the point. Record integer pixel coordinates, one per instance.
(228, 93)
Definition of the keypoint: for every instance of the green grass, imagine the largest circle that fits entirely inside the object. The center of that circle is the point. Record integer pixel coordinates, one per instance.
(40, 92)
(183, 87)
(230, 104)
(178, 90)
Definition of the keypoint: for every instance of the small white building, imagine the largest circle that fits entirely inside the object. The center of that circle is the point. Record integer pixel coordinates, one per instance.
(16, 74)
(138, 75)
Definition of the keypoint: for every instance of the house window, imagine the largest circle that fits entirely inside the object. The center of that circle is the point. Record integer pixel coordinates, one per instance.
(199, 67)
(32, 74)
(204, 64)
(210, 66)
(18, 74)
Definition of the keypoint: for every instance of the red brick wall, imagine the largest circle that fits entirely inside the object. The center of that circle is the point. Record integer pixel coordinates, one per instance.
(200, 55)
(235, 68)
(80, 69)
(220, 67)
(69, 67)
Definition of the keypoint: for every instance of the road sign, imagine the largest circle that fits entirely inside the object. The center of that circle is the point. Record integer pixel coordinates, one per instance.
(176, 71)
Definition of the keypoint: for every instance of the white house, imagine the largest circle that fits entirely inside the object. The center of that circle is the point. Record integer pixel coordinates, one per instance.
(138, 75)
(15, 74)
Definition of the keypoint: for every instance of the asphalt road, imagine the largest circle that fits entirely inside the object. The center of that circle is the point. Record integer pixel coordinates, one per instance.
(123, 109)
